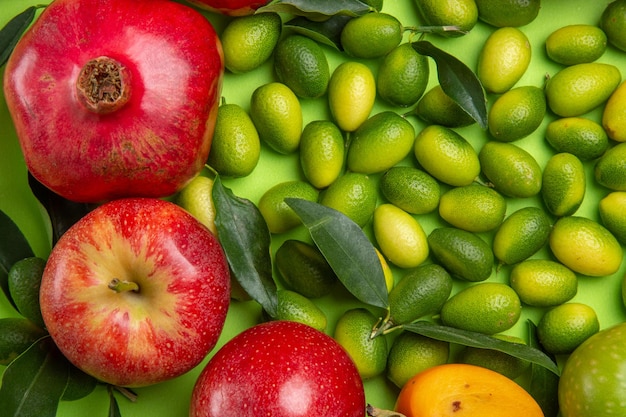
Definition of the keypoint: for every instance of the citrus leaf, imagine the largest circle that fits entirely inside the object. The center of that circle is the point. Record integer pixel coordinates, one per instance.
(317, 9)
(347, 249)
(479, 340)
(327, 32)
(32, 385)
(11, 33)
(13, 247)
(457, 81)
(544, 385)
(246, 241)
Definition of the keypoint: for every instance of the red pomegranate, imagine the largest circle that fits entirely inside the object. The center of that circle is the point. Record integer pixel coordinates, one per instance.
(230, 7)
(115, 98)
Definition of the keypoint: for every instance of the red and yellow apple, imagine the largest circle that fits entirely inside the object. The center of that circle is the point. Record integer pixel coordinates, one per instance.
(136, 292)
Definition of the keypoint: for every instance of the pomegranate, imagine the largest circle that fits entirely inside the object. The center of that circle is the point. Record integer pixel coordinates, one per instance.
(279, 369)
(115, 98)
(230, 7)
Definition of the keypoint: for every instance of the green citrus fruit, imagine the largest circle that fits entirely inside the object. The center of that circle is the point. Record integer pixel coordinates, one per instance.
(296, 307)
(24, 280)
(612, 208)
(543, 282)
(563, 328)
(512, 170)
(197, 198)
(614, 114)
(474, 207)
(276, 212)
(461, 13)
(351, 94)
(579, 136)
(353, 194)
(372, 35)
(402, 76)
(503, 59)
(522, 234)
(411, 353)
(437, 108)
(576, 44)
(411, 189)
(321, 152)
(502, 13)
(517, 113)
(610, 168)
(563, 184)
(613, 23)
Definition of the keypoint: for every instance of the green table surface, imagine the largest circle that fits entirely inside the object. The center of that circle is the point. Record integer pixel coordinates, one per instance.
(171, 399)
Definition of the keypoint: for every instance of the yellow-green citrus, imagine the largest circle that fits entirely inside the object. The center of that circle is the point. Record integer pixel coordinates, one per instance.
(387, 272)
(249, 41)
(579, 136)
(543, 282)
(411, 353)
(446, 155)
(293, 306)
(563, 184)
(413, 190)
(437, 108)
(461, 13)
(380, 142)
(197, 198)
(613, 22)
(276, 212)
(512, 170)
(474, 207)
(610, 168)
(371, 35)
(502, 13)
(301, 64)
(503, 59)
(522, 234)
(321, 152)
(351, 94)
(517, 113)
(585, 246)
(614, 114)
(24, 280)
(612, 208)
(236, 146)
(576, 44)
(402, 76)
(277, 116)
(563, 328)
(353, 194)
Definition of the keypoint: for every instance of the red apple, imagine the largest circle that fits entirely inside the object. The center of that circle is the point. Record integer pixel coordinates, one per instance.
(279, 369)
(115, 98)
(230, 7)
(136, 292)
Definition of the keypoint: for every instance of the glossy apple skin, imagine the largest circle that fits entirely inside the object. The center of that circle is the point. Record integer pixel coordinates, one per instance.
(139, 338)
(153, 144)
(230, 7)
(279, 369)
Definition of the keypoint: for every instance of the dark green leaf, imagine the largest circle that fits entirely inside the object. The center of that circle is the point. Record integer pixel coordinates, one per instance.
(457, 81)
(246, 240)
(327, 32)
(79, 385)
(347, 249)
(317, 9)
(544, 385)
(474, 339)
(63, 213)
(13, 247)
(32, 385)
(11, 33)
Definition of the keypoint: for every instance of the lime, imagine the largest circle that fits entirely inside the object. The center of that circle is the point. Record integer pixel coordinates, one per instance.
(612, 208)
(354, 195)
(411, 353)
(351, 94)
(446, 155)
(236, 147)
(563, 328)
(486, 307)
(16, 335)
(576, 44)
(501, 362)
(402, 76)
(461, 13)
(197, 198)
(474, 207)
(353, 331)
(277, 116)
(249, 41)
(437, 108)
(522, 234)
(543, 282)
(517, 113)
(578, 89)
(613, 22)
(503, 59)
(610, 168)
(502, 13)
(512, 170)
(301, 64)
(563, 184)
(24, 280)
(614, 114)
(296, 307)
(585, 246)
(276, 212)
(400, 236)
(372, 35)
(304, 269)
(321, 152)
(579, 136)
(380, 142)
(464, 254)
(411, 189)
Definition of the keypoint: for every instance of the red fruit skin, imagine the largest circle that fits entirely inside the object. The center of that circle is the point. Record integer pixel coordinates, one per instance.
(136, 338)
(279, 369)
(230, 7)
(151, 146)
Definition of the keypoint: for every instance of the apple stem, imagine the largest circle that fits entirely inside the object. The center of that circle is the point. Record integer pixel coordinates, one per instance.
(119, 285)
(377, 412)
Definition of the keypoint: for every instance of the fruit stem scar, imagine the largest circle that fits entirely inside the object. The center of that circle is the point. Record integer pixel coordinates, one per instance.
(119, 285)
(103, 85)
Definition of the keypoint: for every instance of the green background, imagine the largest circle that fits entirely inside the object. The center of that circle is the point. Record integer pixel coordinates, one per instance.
(171, 399)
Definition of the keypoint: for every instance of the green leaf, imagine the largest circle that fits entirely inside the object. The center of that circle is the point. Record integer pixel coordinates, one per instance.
(13, 247)
(11, 33)
(246, 240)
(544, 385)
(474, 339)
(347, 249)
(457, 81)
(327, 32)
(114, 408)
(33, 384)
(317, 9)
